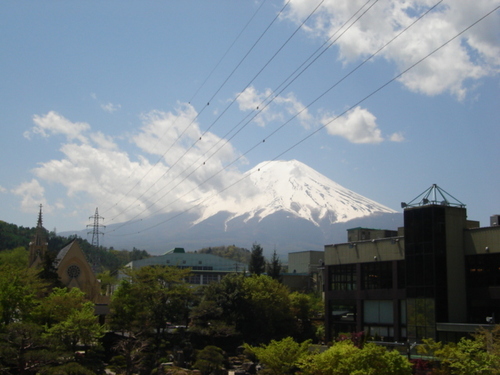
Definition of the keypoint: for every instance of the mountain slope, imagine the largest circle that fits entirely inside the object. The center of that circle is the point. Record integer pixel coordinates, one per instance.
(282, 205)
(297, 189)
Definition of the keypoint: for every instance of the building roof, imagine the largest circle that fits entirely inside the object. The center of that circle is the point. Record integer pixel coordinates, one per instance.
(195, 261)
(62, 253)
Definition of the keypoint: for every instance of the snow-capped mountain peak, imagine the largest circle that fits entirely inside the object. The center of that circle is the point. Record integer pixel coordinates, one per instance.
(298, 190)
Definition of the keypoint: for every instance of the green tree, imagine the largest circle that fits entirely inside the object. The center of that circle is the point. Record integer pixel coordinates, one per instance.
(305, 308)
(209, 360)
(130, 359)
(274, 267)
(80, 329)
(58, 306)
(107, 281)
(19, 288)
(164, 297)
(280, 357)
(266, 310)
(23, 349)
(468, 356)
(343, 358)
(16, 258)
(219, 316)
(257, 264)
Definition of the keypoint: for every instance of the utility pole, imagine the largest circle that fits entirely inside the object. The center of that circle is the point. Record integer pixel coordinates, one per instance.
(95, 228)
(95, 261)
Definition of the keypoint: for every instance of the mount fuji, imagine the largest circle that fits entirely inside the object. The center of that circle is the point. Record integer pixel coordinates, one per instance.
(298, 191)
(282, 205)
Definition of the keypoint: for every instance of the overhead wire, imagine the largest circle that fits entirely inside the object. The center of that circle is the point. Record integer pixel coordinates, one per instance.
(226, 140)
(344, 112)
(235, 99)
(204, 107)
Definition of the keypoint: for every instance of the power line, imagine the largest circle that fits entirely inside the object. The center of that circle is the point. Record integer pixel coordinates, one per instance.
(291, 81)
(374, 92)
(231, 103)
(199, 113)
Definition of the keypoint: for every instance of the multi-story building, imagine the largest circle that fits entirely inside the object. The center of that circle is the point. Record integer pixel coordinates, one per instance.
(436, 277)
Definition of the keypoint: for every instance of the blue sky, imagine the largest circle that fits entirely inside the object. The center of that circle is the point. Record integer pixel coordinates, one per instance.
(134, 107)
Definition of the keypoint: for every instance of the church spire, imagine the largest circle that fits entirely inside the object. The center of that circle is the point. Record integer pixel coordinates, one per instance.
(38, 245)
(40, 223)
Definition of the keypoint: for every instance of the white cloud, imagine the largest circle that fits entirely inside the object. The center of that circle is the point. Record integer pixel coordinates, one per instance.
(357, 126)
(32, 194)
(110, 107)
(474, 55)
(2, 189)
(397, 137)
(103, 141)
(54, 123)
(251, 99)
(104, 174)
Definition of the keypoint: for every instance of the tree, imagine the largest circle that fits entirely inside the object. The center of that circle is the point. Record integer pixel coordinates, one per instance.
(469, 356)
(58, 306)
(305, 307)
(219, 316)
(19, 288)
(281, 357)
(257, 264)
(23, 349)
(131, 356)
(80, 329)
(164, 297)
(274, 267)
(343, 358)
(209, 360)
(266, 310)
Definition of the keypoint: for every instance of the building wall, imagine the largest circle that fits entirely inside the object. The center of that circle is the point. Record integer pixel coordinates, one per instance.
(456, 224)
(81, 277)
(305, 261)
(365, 251)
(442, 278)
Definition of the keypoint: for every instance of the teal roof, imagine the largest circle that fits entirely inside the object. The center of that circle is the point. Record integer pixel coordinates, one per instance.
(195, 261)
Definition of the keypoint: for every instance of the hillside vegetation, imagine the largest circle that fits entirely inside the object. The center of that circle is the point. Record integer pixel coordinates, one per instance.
(238, 254)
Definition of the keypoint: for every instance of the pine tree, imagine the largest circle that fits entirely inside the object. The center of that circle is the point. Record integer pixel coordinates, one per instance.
(257, 264)
(274, 267)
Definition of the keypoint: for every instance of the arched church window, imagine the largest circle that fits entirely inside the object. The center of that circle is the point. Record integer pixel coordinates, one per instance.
(73, 271)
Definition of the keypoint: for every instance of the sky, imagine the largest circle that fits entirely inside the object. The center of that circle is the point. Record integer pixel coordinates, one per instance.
(145, 107)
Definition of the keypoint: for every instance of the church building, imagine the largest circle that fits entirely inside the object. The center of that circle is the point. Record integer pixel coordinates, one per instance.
(71, 265)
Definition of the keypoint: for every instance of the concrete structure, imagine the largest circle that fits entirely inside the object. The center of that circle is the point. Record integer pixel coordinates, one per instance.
(205, 268)
(305, 271)
(437, 277)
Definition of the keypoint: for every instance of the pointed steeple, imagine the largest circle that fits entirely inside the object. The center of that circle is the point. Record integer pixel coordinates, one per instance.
(40, 223)
(38, 246)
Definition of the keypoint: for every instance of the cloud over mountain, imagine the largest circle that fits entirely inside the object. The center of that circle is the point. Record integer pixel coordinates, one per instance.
(280, 204)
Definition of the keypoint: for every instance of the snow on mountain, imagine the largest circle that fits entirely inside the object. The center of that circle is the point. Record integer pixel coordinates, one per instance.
(282, 205)
(294, 188)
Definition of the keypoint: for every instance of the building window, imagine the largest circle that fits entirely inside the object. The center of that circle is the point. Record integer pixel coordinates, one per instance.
(207, 279)
(483, 270)
(378, 311)
(377, 275)
(344, 311)
(343, 277)
(194, 279)
(73, 271)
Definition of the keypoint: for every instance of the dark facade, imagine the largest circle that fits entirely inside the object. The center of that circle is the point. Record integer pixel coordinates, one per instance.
(438, 277)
